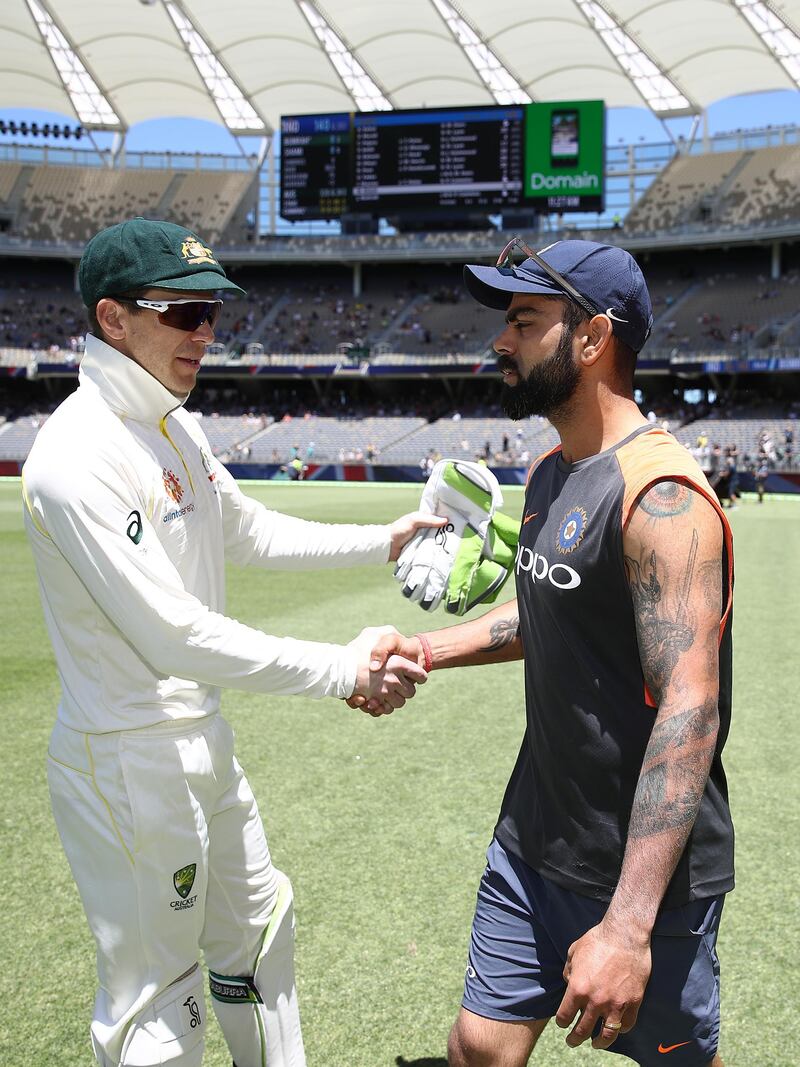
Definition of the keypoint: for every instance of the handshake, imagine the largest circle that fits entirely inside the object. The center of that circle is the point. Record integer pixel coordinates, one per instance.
(389, 670)
(457, 550)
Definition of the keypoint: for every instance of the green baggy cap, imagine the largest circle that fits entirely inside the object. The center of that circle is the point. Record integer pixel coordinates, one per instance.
(142, 253)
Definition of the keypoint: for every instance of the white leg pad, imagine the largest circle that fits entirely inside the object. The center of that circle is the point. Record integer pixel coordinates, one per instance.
(171, 1029)
(259, 1015)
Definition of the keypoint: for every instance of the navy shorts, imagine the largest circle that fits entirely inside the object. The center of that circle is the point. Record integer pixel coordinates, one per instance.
(523, 927)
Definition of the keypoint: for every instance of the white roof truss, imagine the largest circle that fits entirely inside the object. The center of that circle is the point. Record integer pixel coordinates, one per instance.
(87, 98)
(236, 109)
(779, 37)
(661, 94)
(367, 95)
(501, 83)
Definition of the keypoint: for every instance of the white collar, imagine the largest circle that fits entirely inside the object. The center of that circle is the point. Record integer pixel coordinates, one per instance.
(126, 387)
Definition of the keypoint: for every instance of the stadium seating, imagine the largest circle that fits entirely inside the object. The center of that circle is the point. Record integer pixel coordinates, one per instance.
(468, 438)
(330, 440)
(743, 189)
(66, 204)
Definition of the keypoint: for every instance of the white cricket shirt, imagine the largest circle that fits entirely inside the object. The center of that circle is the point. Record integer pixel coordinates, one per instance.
(131, 519)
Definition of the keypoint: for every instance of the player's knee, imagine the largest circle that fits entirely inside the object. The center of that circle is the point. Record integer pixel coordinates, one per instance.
(467, 1046)
(171, 1029)
(274, 957)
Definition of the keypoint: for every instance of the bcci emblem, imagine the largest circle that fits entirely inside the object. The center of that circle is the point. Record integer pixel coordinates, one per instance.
(571, 531)
(194, 252)
(183, 880)
(172, 485)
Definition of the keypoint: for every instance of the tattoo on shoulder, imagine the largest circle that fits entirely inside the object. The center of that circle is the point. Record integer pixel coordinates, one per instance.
(502, 633)
(666, 500)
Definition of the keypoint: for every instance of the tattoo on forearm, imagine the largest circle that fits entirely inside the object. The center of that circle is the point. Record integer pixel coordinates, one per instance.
(674, 772)
(666, 499)
(502, 633)
(664, 630)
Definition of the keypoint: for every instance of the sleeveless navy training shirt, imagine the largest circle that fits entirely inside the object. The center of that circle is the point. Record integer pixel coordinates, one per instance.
(567, 805)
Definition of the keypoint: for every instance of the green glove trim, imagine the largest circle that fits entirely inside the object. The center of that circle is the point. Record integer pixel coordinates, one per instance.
(507, 528)
(487, 579)
(465, 487)
(474, 580)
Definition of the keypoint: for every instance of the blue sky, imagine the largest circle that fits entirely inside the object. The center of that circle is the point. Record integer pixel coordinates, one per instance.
(624, 125)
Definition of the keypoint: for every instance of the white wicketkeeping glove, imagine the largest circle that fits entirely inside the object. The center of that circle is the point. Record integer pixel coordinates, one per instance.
(466, 562)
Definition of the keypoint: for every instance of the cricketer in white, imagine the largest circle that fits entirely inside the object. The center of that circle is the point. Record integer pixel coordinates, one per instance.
(131, 519)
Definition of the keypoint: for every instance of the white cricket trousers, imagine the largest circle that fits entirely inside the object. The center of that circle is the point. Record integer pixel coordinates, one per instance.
(163, 835)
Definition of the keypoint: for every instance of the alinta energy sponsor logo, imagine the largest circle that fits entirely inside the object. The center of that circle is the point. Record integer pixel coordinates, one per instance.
(172, 485)
(183, 880)
(178, 513)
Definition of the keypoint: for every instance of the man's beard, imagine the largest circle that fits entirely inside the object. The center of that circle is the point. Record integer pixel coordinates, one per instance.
(547, 389)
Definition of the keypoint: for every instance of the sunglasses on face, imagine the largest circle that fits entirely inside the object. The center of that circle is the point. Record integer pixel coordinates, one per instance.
(506, 259)
(186, 315)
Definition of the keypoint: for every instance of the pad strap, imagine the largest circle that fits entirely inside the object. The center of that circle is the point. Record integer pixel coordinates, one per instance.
(233, 989)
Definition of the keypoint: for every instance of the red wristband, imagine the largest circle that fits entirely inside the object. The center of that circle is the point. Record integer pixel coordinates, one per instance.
(426, 652)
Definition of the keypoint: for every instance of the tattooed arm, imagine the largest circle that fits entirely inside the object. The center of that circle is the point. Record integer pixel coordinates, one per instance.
(673, 560)
(493, 638)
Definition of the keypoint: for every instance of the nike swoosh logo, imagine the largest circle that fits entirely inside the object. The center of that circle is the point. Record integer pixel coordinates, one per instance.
(671, 1048)
(529, 516)
(611, 315)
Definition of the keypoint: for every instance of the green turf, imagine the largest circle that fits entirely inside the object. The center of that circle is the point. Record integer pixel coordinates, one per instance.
(382, 824)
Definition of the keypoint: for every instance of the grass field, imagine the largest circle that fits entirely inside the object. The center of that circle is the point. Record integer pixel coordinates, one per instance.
(382, 825)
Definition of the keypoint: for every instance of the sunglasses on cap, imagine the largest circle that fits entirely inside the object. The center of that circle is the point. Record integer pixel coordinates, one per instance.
(506, 259)
(188, 315)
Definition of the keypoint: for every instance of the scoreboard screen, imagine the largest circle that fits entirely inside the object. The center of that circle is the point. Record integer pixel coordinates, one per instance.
(447, 161)
(316, 161)
(412, 161)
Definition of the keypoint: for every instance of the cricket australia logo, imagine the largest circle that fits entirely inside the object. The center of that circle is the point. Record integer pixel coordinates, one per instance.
(183, 880)
(194, 251)
(571, 530)
(172, 485)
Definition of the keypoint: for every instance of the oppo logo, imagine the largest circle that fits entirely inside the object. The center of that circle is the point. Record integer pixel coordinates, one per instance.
(535, 564)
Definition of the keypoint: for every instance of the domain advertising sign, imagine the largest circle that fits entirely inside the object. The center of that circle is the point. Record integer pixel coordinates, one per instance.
(565, 155)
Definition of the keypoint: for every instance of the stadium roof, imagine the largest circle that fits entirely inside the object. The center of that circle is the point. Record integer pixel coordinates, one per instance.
(246, 62)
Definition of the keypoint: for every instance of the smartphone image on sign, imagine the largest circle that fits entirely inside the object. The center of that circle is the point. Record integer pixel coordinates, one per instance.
(564, 138)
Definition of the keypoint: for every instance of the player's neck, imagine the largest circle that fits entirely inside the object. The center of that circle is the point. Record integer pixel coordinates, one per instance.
(591, 428)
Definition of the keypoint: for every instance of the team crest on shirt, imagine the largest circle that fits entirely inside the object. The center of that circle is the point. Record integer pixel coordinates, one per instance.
(571, 530)
(172, 485)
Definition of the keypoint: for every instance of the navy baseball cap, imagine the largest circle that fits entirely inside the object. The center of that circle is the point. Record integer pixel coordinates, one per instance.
(607, 277)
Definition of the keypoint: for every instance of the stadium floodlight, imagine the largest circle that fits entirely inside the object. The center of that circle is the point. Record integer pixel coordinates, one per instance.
(237, 112)
(779, 37)
(91, 105)
(500, 82)
(366, 93)
(660, 93)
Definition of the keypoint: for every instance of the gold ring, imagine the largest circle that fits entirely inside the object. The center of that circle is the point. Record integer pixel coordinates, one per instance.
(612, 1026)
